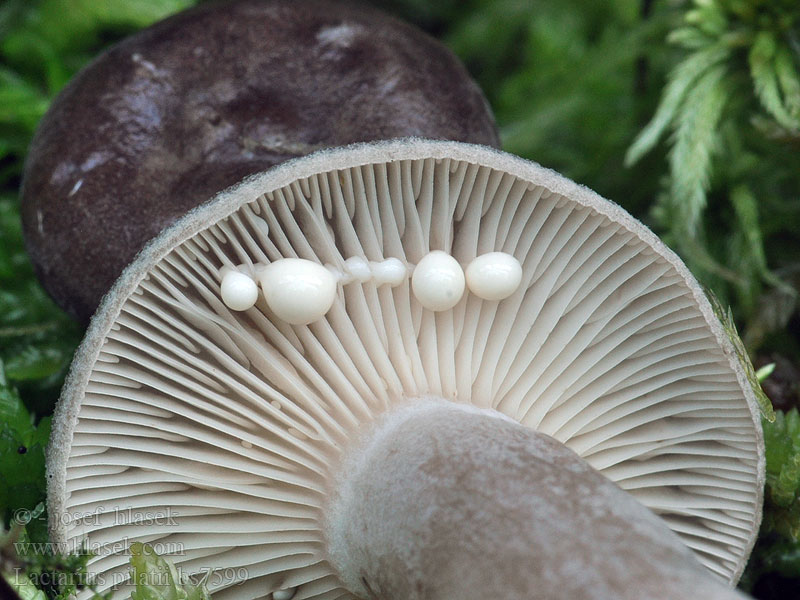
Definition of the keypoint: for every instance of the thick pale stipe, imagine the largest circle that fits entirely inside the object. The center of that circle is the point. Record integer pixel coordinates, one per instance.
(445, 502)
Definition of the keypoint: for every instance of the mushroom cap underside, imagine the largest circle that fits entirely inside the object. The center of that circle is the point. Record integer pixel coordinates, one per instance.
(236, 420)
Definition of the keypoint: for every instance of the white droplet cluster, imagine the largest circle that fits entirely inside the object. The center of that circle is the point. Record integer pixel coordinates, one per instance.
(300, 291)
(438, 281)
(390, 272)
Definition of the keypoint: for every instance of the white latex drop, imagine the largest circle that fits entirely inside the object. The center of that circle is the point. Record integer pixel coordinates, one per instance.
(298, 291)
(358, 268)
(438, 281)
(494, 276)
(286, 594)
(391, 271)
(238, 291)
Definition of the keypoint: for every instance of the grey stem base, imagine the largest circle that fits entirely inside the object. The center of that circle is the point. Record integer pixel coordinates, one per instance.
(442, 502)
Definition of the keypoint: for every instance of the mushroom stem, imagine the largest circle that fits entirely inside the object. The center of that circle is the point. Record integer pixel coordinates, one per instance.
(442, 501)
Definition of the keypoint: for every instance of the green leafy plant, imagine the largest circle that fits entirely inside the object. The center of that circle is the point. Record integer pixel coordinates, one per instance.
(157, 578)
(568, 85)
(778, 548)
(782, 496)
(25, 588)
(730, 103)
(22, 444)
(36, 339)
(754, 378)
(37, 570)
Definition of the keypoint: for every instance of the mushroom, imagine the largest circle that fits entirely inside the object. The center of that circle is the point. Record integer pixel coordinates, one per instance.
(592, 434)
(175, 113)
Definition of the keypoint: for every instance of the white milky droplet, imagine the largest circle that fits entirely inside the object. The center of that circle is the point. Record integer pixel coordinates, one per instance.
(438, 281)
(286, 594)
(358, 268)
(298, 291)
(391, 271)
(238, 291)
(494, 276)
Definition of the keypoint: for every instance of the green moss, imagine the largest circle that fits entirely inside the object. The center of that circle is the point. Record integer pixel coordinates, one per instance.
(782, 494)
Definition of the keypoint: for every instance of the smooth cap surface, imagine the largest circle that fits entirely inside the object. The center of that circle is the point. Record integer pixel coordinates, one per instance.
(167, 118)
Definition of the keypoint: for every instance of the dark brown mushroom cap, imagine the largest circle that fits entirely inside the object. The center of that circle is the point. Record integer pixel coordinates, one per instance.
(170, 116)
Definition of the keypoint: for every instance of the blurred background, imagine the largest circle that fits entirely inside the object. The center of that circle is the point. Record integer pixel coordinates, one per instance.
(687, 113)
